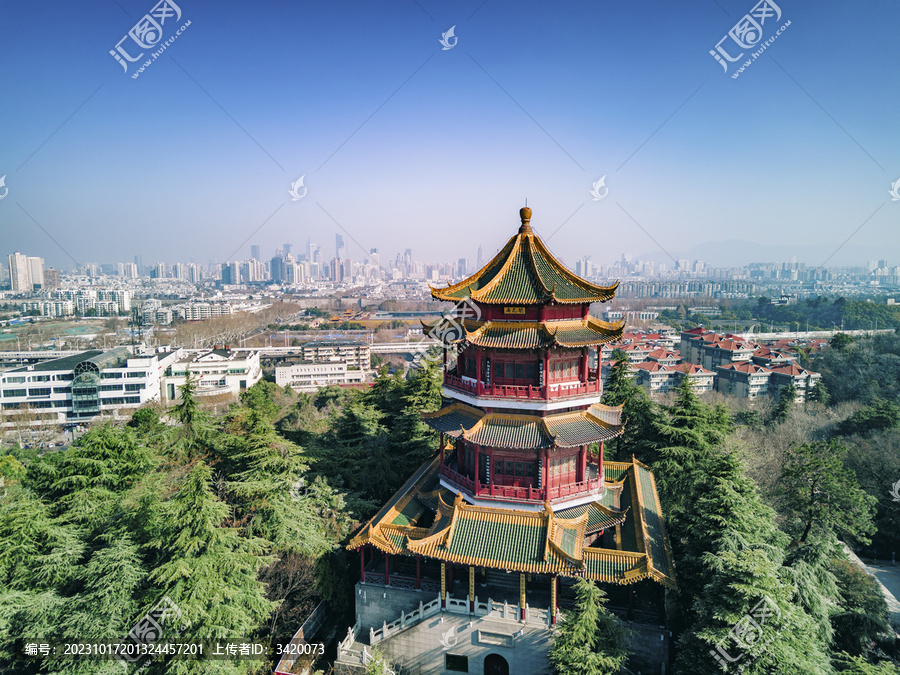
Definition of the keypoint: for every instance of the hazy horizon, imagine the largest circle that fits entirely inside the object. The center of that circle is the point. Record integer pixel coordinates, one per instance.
(404, 144)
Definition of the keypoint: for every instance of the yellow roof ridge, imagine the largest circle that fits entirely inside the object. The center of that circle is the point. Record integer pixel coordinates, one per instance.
(571, 276)
(453, 407)
(547, 515)
(489, 286)
(602, 508)
(534, 268)
(640, 526)
(594, 552)
(611, 326)
(456, 511)
(418, 475)
(467, 283)
(597, 420)
(546, 427)
(578, 562)
(662, 524)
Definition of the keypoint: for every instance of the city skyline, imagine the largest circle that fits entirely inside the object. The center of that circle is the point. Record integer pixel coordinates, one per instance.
(318, 122)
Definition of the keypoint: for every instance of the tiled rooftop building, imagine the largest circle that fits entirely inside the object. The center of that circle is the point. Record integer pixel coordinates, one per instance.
(514, 503)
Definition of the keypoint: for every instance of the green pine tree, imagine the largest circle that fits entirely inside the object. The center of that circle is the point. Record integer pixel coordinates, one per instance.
(208, 570)
(819, 496)
(591, 640)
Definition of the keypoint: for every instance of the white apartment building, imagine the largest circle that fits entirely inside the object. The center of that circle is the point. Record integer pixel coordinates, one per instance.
(309, 377)
(25, 272)
(73, 389)
(196, 311)
(154, 312)
(52, 308)
(216, 371)
(354, 353)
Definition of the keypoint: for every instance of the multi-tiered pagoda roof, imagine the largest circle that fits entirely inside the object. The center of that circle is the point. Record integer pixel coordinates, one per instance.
(519, 482)
(525, 272)
(537, 542)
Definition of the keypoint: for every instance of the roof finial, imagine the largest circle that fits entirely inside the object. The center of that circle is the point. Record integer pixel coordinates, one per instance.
(525, 215)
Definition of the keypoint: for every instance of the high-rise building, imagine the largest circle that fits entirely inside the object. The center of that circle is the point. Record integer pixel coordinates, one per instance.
(254, 252)
(287, 248)
(339, 250)
(276, 269)
(462, 266)
(231, 273)
(51, 278)
(138, 263)
(584, 268)
(36, 271)
(19, 276)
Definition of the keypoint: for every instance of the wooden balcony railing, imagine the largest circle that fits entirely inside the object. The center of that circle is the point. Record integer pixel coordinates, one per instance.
(525, 392)
(528, 493)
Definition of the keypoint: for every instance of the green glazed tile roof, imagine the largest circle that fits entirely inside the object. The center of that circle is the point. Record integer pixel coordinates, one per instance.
(496, 432)
(453, 418)
(572, 512)
(517, 431)
(653, 521)
(516, 542)
(587, 336)
(569, 543)
(603, 519)
(580, 431)
(525, 272)
(629, 536)
(614, 471)
(540, 542)
(500, 334)
(408, 513)
(609, 565)
(510, 336)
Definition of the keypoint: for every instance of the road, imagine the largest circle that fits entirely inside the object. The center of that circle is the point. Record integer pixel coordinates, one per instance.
(888, 577)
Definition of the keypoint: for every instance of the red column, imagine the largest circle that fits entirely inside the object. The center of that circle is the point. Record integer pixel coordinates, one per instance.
(546, 391)
(546, 460)
(600, 462)
(478, 371)
(442, 448)
(418, 572)
(387, 569)
(362, 564)
(476, 470)
(584, 365)
(582, 464)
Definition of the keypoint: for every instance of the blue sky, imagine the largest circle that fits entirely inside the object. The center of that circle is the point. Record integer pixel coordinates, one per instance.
(404, 144)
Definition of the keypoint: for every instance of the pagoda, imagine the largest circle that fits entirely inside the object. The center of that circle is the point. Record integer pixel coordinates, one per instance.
(518, 483)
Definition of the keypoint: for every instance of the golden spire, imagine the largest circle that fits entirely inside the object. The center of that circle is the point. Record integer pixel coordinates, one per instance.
(525, 215)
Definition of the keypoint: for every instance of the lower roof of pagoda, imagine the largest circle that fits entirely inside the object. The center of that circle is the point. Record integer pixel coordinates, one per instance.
(594, 424)
(539, 542)
(573, 333)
